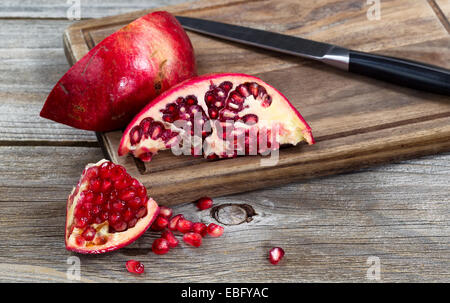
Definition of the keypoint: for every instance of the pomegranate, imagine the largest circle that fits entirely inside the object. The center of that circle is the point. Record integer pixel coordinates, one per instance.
(199, 228)
(160, 223)
(214, 230)
(219, 116)
(161, 246)
(108, 209)
(173, 223)
(114, 80)
(184, 226)
(204, 203)
(135, 267)
(171, 239)
(193, 239)
(275, 255)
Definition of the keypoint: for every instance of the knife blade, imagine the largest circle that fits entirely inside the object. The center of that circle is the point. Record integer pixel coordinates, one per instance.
(403, 72)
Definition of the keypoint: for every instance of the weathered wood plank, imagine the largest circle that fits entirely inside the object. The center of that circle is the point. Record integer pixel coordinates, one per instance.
(89, 8)
(328, 226)
(31, 62)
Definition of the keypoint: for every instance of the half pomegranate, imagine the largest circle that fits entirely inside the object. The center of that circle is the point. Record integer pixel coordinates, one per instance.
(107, 210)
(106, 88)
(218, 116)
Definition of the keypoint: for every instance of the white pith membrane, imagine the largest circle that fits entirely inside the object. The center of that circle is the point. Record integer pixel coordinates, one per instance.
(277, 124)
(104, 240)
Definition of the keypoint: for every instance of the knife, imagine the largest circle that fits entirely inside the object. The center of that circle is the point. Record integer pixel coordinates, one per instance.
(403, 72)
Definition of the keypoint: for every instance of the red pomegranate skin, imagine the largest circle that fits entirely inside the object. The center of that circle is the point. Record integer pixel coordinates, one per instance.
(106, 88)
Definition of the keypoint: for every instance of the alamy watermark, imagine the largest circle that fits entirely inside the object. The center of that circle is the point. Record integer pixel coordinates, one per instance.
(73, 272)
(227, 138)
(374, 10)
(74, 11)
(374, 270)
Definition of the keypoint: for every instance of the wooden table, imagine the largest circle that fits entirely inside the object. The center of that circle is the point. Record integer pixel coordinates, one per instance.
(329, 227)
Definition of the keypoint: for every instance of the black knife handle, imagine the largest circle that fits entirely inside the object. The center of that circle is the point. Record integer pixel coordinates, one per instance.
(400, 71)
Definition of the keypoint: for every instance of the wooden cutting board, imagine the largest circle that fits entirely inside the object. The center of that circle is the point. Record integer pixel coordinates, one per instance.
(357, 122)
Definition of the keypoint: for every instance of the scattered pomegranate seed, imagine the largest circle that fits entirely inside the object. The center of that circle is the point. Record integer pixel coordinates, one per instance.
(135, 267)
(168, 235)
(275, 255)
(160, 223)
(165, 212)
(184, 225)
(204, 203)
(199, 228)
(160, 246)
(193, 239)
(174, 221)
(214, 230)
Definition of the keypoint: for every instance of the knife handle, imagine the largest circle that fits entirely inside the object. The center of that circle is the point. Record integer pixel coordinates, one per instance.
(408, 73)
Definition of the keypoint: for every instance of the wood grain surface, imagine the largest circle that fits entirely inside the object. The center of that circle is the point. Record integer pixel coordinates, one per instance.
(346, 112)
(328, 226)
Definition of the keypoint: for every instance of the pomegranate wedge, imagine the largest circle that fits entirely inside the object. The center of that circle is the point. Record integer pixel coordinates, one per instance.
(106, 88)
(107, 210)
(219, 115)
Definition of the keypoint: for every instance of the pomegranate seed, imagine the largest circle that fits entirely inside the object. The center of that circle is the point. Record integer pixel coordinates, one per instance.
(81, 222)
(174, 221)
(114, 218)
(141, 212)
(141, 192)
(145, 125)
(106, 186)
(87, 206)
(204, 203)
(104, 216)
(118, 206)
(96, 210)
(199, 228)
(132, 223)
(89, 233)
(160, 223)
(168, 235)
(160, 246)
(135, 267)
(80, 241)
(275, 255)
(250, 119)
(105, 170)
(92, 172)
(120, 226)
(165, 212)
(127, 194)
(128, 215)
(135, 135)
(146, 157)
(135, 203)
(156, 130)
(193, 239)
(226, 85)
(214, 230)
(184, 225)
(118, 173)
(87, 196)
(95, 184)
(122, 183)
(99, 199)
